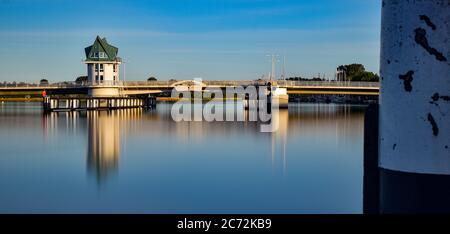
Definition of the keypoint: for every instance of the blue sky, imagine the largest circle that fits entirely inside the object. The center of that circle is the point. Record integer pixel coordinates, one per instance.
(184, 39)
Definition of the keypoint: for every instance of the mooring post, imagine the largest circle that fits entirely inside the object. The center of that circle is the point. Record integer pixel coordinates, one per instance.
(150, 102)
(414, 140)
(45, 103)
(371, 178)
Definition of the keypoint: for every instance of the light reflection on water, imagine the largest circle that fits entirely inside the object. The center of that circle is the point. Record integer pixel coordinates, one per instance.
(137, 161)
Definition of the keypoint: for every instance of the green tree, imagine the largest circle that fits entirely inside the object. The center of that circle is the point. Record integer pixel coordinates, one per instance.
(151, 78)
(43, 82)
(81, 79)
(357, 72)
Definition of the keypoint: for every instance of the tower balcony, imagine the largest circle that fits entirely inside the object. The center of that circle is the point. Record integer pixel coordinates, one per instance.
(117, 60)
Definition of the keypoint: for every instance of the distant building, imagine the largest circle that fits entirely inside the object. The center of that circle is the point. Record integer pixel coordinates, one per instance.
(102, 62)
(341, 73)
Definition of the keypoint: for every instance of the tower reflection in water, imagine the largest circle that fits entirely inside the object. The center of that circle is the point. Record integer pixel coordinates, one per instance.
(106, 130)
(103, 143)
(139, 154)
(279, 137)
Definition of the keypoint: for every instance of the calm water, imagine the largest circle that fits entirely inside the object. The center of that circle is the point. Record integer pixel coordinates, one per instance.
(136, 161)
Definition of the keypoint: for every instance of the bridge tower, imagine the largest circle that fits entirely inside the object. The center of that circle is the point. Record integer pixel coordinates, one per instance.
(102, 68)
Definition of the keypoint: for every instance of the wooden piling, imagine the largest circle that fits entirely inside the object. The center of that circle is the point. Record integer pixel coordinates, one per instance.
(371, 179)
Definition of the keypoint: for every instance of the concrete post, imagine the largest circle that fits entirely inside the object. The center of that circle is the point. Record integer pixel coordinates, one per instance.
(415, 107)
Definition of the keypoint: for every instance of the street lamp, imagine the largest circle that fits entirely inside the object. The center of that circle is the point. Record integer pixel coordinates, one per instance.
(274, 61)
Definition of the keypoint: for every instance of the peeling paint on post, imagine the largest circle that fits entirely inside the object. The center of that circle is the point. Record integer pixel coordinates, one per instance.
(417, 35)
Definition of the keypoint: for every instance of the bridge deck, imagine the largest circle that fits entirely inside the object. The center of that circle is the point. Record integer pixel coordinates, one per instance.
(151, 87)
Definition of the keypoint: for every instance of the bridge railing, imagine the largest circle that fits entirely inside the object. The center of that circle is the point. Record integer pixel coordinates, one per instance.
(18, 85)
(328, 83)
(33, 85)
(147, 83)
(205, 82)
(282, 83)
(188, 82)
(256, 82)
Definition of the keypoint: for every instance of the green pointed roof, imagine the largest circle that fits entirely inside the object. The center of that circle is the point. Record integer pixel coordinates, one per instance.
(101, 51)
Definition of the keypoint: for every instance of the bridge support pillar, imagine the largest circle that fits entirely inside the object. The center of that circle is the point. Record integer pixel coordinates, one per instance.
(54, 104)
(414, 141)
(150, 102)
(282, 96)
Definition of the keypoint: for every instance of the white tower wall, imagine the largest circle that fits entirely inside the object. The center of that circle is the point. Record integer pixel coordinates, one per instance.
(108, 73)
(415, 72)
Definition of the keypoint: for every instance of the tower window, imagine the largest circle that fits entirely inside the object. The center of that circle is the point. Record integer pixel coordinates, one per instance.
(101, 67)
(102, 55)
(98, 55)
(101, 78)
(114, 68)
(96, 67)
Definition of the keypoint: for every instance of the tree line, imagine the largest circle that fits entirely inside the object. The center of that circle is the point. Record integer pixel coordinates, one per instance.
(357, 72)
(353, 72)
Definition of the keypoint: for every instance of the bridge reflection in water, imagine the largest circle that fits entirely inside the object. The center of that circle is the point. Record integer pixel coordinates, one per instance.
(107, 132)
(117, 160)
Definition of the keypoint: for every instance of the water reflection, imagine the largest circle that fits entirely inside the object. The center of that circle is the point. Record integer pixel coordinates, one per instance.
(279, 138)
(105, 130)
(68, 121)
(312, 164)
(103, 143)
